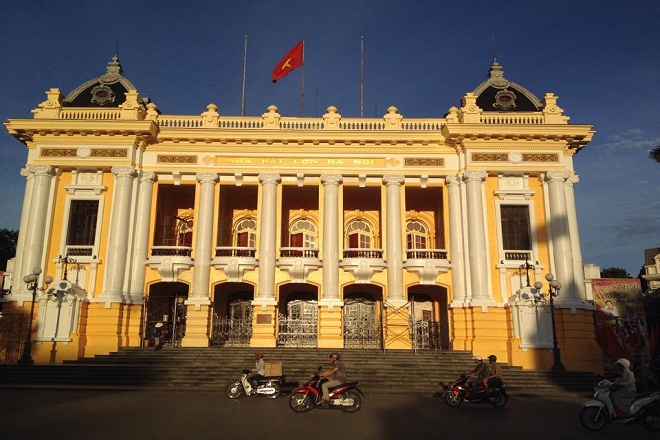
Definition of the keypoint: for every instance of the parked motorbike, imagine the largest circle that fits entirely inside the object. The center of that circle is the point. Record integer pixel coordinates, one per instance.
(269, 386)
(644, 410)
(309, 396)
(459, 391)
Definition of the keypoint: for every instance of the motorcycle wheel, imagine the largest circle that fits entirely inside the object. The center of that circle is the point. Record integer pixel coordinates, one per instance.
(498, 399)
(652, 418)
(357, 401)
(300, 402)
(452, 399)
(276, 394)
(234, 390)
(592, 418)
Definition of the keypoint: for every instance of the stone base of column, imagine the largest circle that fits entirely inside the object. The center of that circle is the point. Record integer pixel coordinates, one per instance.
(198, 319)
(482, 330)
(397, 328)
(101, 332)
(131, 325)
(330, 324)
(576, 337)
(263, 324)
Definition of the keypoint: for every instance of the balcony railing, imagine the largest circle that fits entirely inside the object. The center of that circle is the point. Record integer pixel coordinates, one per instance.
(171, 251)
(79, 251)
(229, 251)
(518, 255)
(297, 252)
(363, 253)
(426, 254)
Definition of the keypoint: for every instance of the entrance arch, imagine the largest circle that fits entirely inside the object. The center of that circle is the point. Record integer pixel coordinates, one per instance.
(232, 314)
(362, 317)
(166, 303)
(430, 317)
(298, 315)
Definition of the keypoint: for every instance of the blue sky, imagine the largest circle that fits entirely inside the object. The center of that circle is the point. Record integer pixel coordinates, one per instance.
(601, 57)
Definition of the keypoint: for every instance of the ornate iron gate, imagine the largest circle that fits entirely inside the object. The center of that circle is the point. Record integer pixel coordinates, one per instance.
(300, 327)
(361, 326)
(235, 330)
(426, 335)
(12, 337)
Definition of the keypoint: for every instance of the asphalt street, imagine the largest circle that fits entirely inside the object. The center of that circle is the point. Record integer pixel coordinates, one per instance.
(193, 414)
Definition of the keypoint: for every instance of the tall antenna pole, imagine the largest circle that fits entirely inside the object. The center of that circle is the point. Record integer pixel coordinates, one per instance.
(244, 72)
(302, 84)
(361, 77)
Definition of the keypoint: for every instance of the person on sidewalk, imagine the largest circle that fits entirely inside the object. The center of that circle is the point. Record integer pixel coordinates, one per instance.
(158, 334)
(337, 375)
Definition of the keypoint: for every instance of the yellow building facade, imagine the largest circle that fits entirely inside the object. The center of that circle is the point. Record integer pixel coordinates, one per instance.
(263, 231)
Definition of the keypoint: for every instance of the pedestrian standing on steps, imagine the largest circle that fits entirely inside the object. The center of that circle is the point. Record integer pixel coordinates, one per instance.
(158, 334)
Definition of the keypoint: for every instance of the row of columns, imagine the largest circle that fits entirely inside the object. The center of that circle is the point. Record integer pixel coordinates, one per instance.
(467, 216)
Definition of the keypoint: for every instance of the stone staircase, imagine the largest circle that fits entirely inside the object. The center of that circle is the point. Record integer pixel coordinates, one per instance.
(398, 371)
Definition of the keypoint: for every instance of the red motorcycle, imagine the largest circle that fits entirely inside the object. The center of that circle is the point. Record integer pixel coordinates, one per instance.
(309, 396)
(459, 391)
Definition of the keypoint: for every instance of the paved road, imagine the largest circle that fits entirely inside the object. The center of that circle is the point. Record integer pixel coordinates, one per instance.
(186, 414)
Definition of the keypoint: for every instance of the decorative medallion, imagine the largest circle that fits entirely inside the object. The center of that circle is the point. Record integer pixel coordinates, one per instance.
(505, 99)
(84, 152)
(176, 159)
(424, 162)
(102, 95)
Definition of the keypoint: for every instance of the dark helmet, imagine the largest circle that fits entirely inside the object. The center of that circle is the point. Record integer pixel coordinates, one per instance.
(492, 358)
(334, 356)
(259, 355)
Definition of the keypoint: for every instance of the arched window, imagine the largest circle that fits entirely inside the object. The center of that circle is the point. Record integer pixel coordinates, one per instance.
(245, 233)
(359, 235)
(303, 234)
(417, 235)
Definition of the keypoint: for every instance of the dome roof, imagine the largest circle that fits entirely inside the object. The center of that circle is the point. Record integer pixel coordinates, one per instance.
(497, 94)
(108, 90)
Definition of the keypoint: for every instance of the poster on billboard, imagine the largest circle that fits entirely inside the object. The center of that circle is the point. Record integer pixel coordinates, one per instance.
(621, 328)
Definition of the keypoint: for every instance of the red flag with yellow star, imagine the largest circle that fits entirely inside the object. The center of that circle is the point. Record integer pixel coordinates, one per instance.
(291, 61)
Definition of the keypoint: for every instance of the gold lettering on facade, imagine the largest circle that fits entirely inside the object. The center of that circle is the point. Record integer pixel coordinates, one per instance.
(301, 161)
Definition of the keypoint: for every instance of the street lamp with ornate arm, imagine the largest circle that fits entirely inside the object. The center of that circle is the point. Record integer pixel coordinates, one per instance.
(31, 281)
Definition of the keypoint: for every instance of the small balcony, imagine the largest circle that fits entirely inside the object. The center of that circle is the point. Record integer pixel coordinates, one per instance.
(170, 261)
(299, 262)
(427, 264)
(234, 261)
(363, 263)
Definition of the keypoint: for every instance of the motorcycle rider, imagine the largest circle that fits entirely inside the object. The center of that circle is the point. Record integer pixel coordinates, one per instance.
(337, 375)
(258, 372)
(494, 373)
(480, 371)
(624, 385)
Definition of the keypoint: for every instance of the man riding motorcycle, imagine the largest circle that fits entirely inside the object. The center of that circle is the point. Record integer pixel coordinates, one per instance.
(337, 375)
(480, 371)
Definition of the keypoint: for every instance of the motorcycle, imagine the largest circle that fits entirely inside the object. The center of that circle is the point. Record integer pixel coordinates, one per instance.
(269, 387)
(309, 396)
(645, 409)
(459, 391)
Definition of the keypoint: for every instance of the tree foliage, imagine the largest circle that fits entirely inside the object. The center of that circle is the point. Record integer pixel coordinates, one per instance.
(8, 240)
(614, 272)
(655, 153)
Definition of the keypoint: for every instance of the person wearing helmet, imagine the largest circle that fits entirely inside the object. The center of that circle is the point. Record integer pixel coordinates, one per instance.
(624, 386)
(258, 372)
(336, 374)
(480, 371)
(494, 377)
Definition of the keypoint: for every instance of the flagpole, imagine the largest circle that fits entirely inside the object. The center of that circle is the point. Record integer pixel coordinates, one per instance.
(244, 71)
(361, 77)
(302, 84)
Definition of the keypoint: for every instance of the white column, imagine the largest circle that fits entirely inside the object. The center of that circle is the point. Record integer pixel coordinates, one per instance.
(268, 236)
(37, 219)
(141, 237)
(204, 237)
(118, 237)
(476, 236)
(578, 269)
(561, 240)
(394, 251)
(456, 254)
(330, 254)
(18, 285)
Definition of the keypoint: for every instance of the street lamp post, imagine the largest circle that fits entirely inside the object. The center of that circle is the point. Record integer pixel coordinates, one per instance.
(32, 283)
(553, 290)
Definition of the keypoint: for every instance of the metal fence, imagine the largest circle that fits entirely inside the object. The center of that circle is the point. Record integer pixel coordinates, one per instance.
(231, 332)
(297, 332)
(12, 337)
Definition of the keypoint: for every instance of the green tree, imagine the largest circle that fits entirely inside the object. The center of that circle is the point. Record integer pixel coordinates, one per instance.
(655, 153)
(614, 272)
(8, 240)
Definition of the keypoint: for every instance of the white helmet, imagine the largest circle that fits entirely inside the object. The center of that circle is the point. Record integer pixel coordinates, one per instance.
(625, 363)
